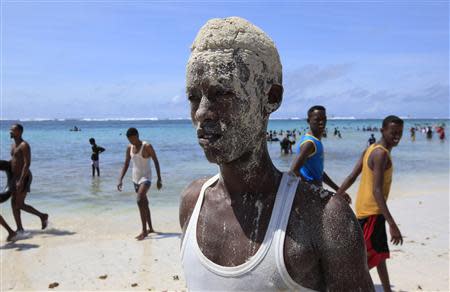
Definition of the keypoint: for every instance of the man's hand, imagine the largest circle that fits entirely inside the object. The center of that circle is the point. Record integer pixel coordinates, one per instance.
(396, 236)
(119, 186)
(158, 184)
(346, 197)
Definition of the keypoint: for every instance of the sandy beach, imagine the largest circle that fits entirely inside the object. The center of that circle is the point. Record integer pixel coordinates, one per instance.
(77, 252)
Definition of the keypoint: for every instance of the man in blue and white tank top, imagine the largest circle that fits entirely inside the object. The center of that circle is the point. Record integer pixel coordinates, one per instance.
(309, 163)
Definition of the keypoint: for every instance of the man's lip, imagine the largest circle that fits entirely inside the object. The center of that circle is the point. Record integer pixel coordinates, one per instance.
(208, 138)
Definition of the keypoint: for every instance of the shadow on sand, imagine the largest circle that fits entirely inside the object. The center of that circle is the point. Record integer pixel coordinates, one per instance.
(162, 235)
(29, 234)
(51, 232)
(379, 288)
(19, 246)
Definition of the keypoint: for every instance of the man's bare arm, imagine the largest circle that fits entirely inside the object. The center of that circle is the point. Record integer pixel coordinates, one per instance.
(26, 152)
(306, 149)
(350, 179)
(380, 160)
(124, 168)
(151, 152)
(329, 181)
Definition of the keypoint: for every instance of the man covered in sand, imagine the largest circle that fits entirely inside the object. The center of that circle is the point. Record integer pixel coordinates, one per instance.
(252, 227)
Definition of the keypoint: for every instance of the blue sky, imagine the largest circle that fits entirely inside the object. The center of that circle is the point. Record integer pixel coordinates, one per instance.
(105, 59)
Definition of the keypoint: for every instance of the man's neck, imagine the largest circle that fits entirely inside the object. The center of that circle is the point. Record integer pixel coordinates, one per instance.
(385, 144)
(18, 140)
(316, 134)
(252, 173)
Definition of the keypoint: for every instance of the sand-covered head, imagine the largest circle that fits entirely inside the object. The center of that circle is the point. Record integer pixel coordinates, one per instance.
(232, 69)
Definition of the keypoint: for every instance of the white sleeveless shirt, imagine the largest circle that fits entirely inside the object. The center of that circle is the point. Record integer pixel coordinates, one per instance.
(141, 166)
(264, 271)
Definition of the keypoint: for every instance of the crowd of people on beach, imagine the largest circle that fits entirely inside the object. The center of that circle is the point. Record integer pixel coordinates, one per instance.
(227, 221)
(288, 138)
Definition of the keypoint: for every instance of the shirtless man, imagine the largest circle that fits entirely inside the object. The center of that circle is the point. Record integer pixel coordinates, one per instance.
(21, 177)
(140, 153)
(252, 227)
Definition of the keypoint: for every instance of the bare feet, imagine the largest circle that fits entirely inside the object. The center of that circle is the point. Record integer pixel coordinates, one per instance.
(11, 236)
(142, 235)
(44, 221)
(151, 230)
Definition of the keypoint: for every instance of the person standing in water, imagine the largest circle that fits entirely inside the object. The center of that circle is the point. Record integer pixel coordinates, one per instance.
(309, 163)
(140, 153)
(96, 150)
(413, 134)
(371, 140)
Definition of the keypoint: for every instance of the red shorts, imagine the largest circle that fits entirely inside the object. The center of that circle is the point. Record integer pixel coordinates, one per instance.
(374, 229)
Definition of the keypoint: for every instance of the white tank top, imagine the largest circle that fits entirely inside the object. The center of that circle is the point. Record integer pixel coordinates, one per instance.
(141, 166)
(264, 271)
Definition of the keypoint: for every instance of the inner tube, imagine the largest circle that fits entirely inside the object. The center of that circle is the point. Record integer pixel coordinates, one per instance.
(6, 167)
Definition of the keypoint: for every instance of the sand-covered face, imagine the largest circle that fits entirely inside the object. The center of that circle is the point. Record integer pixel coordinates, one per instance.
(232, 72)
(226, 95)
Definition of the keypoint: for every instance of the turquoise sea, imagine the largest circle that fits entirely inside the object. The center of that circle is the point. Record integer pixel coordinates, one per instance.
(61, 163)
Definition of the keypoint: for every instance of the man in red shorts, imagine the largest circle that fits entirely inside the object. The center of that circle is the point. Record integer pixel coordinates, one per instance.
(371, 209)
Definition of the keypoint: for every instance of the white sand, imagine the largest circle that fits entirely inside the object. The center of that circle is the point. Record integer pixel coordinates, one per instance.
(100, 246)
(106, 246)
(422, 262)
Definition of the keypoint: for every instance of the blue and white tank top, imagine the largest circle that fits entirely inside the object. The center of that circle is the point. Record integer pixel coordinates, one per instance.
(312, 169)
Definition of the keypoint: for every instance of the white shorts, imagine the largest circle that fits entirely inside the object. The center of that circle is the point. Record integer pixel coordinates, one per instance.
(95, 163)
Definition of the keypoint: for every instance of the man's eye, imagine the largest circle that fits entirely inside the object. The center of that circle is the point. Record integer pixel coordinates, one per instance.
(193, 98)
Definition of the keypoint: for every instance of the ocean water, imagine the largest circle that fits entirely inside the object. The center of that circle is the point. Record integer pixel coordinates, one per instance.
(61, 162)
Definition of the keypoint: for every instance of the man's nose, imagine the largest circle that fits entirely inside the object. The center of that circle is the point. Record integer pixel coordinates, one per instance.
(205, 111)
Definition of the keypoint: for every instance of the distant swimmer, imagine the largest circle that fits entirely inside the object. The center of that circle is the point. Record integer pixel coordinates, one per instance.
(371, 140)
(309, 163)
(286, 146)
(140, 152)
(372, 211)
(441, 132)
(96, 150)
(21, 177)
(429, 133)
(413, 134)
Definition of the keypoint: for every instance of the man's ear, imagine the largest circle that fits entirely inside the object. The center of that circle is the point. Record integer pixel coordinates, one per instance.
(275, 96)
